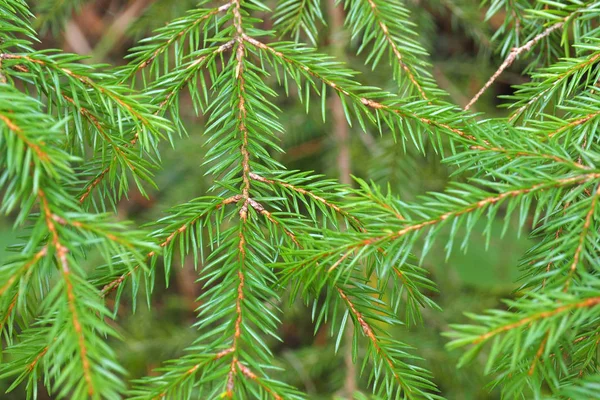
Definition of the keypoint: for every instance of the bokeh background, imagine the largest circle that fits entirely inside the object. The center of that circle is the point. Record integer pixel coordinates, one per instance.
(462, 57)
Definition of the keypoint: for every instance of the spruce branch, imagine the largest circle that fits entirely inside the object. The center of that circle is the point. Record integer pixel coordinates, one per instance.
(369, 333)
(480, 201)
(573, 123)
(73, 137)
(214, 205)
(119, 100)
(532, 312)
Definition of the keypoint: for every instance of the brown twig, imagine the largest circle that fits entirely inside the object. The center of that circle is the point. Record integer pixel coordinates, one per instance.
(538, 354)
(512, 56)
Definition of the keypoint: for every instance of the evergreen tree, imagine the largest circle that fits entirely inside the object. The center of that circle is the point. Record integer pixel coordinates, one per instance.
(76, 137)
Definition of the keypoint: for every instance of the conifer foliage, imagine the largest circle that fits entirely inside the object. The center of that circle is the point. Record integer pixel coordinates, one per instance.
(75, 137)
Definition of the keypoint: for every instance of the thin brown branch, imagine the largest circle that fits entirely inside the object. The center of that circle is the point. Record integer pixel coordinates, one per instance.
(261, 210)
(512, 56)
(339, 261)
(538, 354)
(37, 358)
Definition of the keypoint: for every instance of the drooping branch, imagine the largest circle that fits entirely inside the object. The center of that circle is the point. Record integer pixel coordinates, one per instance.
(374, 340)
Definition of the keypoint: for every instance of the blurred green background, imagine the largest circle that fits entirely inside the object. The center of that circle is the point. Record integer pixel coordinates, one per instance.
(462, 57)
